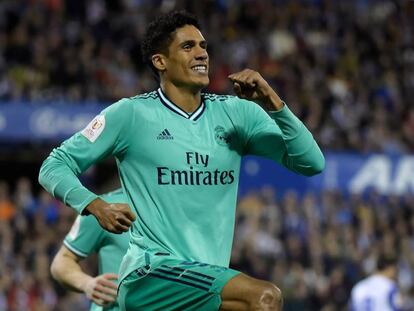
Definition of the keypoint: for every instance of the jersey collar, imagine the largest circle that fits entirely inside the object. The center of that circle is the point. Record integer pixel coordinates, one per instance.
(173, 107)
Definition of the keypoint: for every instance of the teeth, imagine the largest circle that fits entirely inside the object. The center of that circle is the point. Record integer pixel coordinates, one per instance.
(200, 68)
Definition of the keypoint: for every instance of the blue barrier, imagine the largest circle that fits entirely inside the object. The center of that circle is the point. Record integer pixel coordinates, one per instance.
(346, 172)
(19, 122)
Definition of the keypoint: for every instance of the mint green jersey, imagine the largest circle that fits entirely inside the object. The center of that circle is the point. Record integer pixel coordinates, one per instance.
(179, 171)
(87, 236)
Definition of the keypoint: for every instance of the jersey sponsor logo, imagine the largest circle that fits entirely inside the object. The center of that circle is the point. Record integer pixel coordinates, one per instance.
(221, 136)
(94, 129)
(165, 135)
(192, 177)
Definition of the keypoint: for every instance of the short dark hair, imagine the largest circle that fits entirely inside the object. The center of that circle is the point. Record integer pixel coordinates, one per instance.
(159, 34)
(386, 261)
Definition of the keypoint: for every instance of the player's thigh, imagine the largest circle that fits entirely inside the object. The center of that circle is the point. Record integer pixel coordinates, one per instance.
(175, 285)
(246, 293)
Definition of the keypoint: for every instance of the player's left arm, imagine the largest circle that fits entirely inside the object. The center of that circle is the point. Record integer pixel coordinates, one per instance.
(290, 142)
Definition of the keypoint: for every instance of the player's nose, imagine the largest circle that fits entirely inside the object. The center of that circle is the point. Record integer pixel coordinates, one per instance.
(200, 54)
(203, 56)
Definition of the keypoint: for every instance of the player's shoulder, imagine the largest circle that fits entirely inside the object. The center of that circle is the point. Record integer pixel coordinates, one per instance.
(143, 97)
(233, 105)
(127, 105)
(81, 225)
(374, 281)
(227, 101)
(137, 100)
(218, 98)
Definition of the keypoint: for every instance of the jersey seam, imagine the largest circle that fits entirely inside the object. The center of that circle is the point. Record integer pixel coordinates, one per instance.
(128, 131)
(74, 249)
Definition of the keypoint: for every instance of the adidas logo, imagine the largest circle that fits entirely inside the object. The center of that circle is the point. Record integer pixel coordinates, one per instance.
(165, 135)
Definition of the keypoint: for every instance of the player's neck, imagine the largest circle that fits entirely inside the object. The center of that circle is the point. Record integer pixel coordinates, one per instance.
(185, 98)
(388, 273)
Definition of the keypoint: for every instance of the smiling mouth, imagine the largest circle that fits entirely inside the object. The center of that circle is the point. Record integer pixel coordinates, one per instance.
(200, 68)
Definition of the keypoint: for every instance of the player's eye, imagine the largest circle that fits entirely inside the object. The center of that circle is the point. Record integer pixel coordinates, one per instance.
(188, 45)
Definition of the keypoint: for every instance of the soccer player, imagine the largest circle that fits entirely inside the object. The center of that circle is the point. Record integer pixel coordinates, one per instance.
(178, 153)
(86, 237)
(378, 292)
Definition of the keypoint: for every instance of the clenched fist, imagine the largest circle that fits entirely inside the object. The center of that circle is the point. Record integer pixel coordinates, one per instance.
(113, 217)
(249, 84)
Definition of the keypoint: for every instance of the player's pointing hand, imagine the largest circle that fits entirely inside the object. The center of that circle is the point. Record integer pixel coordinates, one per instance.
(115, 217)
(250, 85)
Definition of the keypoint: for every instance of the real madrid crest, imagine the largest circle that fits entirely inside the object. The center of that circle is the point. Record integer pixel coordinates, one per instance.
(221, 136)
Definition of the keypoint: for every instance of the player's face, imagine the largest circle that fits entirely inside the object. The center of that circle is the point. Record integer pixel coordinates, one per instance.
(187, 60)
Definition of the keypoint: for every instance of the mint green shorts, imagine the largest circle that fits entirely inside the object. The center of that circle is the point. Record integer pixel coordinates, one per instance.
(174, 284)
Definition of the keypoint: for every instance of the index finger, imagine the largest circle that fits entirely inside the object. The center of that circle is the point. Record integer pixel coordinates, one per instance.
(233, 76)
(130, 215)
(243, 79)
(122, 219)
(110, 276)
(107, 280)
(125, 210)
(238, 75)
(108, 284)
(109, 287)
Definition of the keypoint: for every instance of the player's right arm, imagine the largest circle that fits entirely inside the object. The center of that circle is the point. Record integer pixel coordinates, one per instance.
(106, 135)
(67, 271)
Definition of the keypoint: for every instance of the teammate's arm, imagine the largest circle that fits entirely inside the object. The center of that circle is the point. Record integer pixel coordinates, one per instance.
(293, 145)
(67, 271)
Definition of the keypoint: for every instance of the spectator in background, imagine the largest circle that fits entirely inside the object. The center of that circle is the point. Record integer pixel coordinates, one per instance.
(7, 208)
(336, 256)
(25, 250)
(378, 292)
(350, 64)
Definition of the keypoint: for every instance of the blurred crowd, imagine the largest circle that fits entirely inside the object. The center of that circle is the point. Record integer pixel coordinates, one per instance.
(317, 247)
(32, 228)
(314, 248)
(345, 67)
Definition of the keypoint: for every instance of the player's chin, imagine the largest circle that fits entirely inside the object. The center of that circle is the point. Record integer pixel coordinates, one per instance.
(202, 81)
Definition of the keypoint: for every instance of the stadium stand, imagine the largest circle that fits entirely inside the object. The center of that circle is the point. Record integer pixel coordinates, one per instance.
(345, 67)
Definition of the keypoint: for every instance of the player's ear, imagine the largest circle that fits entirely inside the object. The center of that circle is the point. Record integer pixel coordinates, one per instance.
(158, 60)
